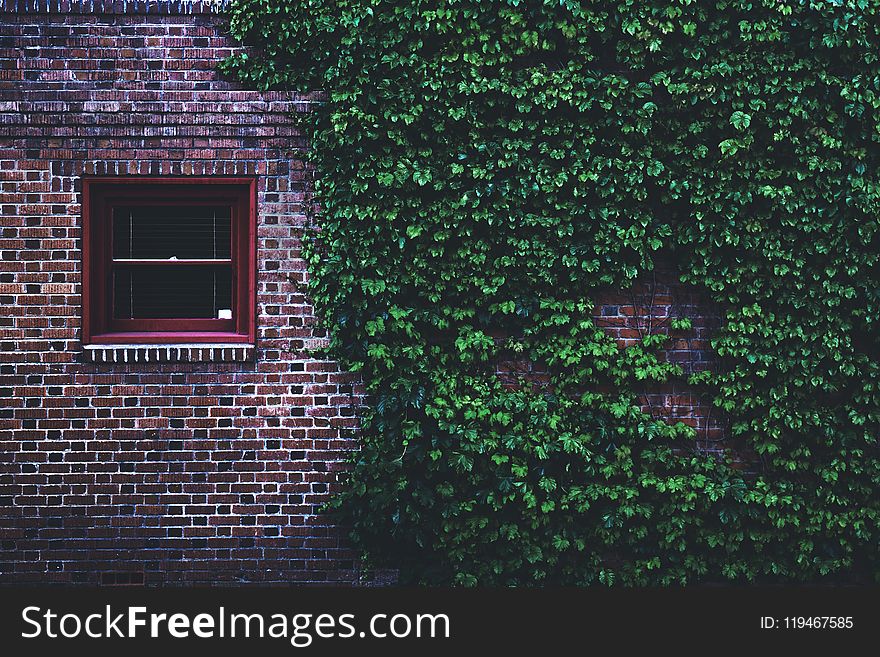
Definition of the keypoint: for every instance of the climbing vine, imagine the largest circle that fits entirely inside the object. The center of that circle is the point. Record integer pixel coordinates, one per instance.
(485, 168)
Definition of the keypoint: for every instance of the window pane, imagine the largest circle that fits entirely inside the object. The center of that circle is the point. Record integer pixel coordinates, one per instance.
(163, 232)
(169, 291)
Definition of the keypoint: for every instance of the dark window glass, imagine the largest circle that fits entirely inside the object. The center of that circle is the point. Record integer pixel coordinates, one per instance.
(166, 232)
(172, 291)
(170, 259)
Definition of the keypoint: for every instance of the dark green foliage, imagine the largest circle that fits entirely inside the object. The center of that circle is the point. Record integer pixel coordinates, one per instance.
(485, 167)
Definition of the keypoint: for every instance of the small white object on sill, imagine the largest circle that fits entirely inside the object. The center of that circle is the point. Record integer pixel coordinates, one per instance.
(224, 313)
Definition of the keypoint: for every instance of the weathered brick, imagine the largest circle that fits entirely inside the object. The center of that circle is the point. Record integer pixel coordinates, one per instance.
(139, 461)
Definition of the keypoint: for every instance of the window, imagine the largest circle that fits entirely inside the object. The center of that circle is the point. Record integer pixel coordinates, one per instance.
(168, 260)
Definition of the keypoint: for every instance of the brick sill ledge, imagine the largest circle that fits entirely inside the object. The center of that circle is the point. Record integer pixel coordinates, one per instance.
(168, 353)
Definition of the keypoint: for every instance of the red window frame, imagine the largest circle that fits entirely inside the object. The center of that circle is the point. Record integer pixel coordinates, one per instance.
(102, 194)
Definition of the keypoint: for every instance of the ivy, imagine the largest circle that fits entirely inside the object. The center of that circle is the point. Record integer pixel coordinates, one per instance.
(485, 169)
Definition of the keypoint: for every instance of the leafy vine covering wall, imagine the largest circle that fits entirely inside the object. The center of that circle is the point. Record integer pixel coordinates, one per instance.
(486, 167)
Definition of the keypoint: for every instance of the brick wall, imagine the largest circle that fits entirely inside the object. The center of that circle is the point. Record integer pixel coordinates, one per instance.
(162, 467)
(648, 308)
(177, 472)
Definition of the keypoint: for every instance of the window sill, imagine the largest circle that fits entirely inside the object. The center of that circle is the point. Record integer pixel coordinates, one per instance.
(168, 353)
